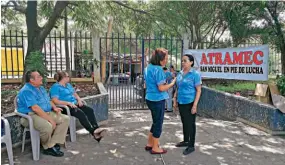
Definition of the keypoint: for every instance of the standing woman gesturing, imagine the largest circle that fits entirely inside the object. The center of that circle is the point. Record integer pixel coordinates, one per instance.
(156, 94)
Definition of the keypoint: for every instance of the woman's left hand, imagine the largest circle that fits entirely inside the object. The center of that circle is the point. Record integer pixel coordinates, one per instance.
(194, 109)
(80, 103)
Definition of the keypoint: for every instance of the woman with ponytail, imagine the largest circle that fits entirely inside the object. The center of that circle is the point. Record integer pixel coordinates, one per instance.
(63, 93)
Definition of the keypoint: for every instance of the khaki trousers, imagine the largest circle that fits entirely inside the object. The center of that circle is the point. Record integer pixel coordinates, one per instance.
(49, 137)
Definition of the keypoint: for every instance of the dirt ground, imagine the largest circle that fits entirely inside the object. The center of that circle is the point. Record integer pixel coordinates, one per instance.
(9, 92)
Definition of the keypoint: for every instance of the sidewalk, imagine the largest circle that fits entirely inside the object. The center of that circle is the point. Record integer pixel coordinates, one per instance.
(217, 143)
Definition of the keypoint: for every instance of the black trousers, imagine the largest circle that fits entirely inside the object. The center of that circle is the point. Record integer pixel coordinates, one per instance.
(86, 117)
(189, 123)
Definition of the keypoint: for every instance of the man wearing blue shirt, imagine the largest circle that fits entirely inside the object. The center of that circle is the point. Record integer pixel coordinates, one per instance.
(47, 118)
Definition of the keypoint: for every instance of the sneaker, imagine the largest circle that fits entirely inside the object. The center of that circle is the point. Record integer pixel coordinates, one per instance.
(188, 150)
(182, 144)
(53, 152)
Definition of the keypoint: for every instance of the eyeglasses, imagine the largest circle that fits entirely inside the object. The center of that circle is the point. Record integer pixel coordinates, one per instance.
(185, 60)
(38, 76)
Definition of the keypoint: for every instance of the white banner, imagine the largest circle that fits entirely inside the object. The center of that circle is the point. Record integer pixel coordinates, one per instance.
(247, 63)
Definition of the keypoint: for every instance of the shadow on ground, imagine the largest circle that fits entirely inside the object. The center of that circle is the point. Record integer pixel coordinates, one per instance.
(217, 143)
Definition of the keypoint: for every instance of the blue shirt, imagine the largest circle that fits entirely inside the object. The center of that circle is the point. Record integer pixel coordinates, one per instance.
(63, 93)
(30, 95)
(154, 76)
(168, 76)
(186, 85)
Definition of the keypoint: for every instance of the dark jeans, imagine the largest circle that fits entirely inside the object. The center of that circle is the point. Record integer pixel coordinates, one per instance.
(157, 114)
(86, 117)
(189, 123)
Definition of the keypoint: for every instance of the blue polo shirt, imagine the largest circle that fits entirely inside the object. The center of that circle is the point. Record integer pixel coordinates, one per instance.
(168, 76)
(186, 85)
(30, 95)
(154, 76)
(63, 93)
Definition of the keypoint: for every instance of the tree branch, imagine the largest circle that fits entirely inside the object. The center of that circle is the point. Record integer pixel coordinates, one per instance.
(276, 25)
(215, 41)
(214, 32)
(128, 7)
(209, 30)
(58, 9)
(16, 6)
(71, 8)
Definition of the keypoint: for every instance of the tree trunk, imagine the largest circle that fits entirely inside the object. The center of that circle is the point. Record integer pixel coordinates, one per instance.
(281, 43)
(66, 44)
(35, 43)
(278, 30)
(282, 47)
(104, 58)
(36, 34)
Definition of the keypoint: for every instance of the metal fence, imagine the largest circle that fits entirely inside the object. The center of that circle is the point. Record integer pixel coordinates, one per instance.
(14, 47)
(123, 59)
(126, 57)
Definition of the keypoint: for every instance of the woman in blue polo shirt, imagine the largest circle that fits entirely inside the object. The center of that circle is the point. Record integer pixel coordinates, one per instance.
(188, 94)
(63, 93)
(156, 94)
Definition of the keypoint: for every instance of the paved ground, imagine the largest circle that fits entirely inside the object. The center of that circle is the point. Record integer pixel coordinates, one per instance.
(218, 143)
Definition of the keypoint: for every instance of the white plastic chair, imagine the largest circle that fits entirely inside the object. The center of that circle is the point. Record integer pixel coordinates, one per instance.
(7, 140)
(72, 122)
(34, 134)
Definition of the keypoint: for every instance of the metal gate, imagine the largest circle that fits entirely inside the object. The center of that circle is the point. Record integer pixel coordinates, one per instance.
(123, 59)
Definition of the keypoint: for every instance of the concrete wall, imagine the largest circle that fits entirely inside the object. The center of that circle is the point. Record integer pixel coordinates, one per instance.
(225, 106)
(99, 103)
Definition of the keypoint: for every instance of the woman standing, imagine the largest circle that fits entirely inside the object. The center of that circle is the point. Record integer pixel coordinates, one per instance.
(187, 96)
(156, 94)
(63, 93)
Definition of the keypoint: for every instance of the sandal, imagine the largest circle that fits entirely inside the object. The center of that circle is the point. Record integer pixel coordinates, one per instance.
(148, 148)
(162, 152)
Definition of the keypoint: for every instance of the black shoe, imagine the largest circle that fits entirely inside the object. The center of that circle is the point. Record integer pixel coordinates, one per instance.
(98, 139)
(188, 150)
(53, 152)
(57, 147)
(182, 144)
(99, 135)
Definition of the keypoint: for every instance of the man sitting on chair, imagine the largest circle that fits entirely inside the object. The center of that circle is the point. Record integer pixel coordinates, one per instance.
(34, 100)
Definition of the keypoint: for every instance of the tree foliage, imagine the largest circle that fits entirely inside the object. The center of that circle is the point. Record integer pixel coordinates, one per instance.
(263, 21)
(201, 21)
